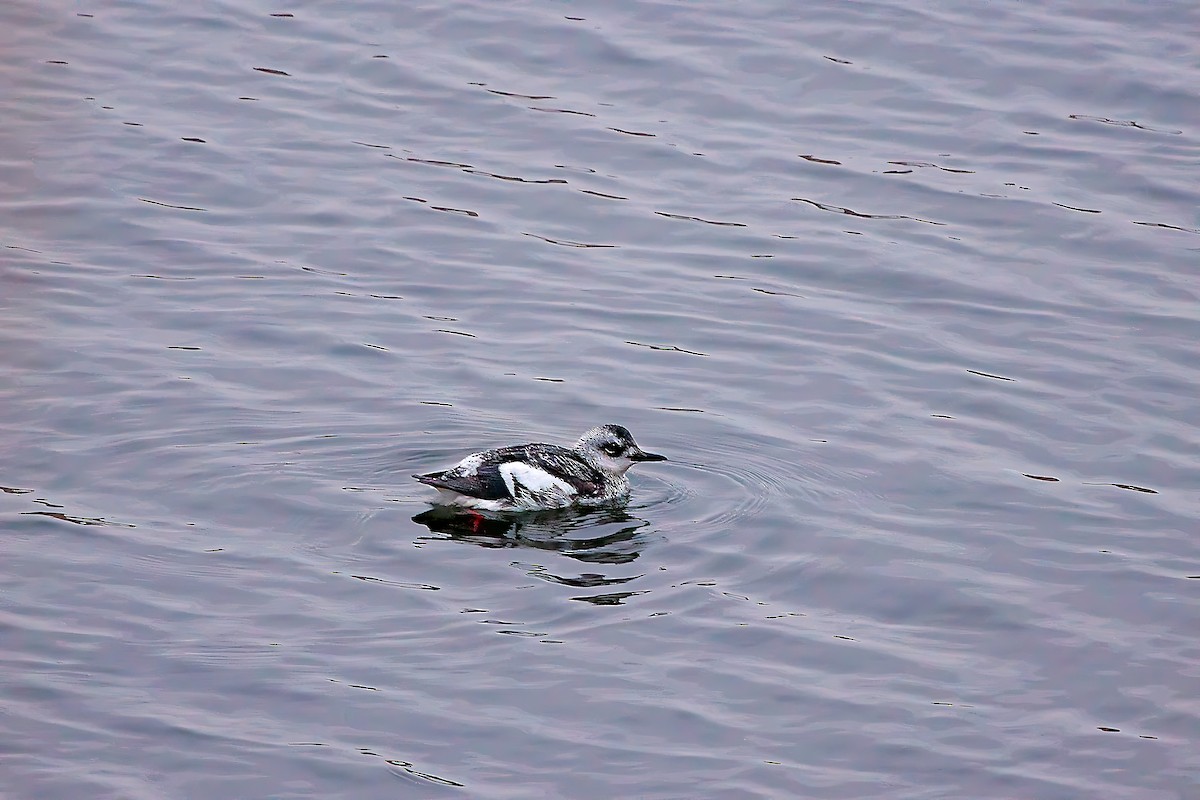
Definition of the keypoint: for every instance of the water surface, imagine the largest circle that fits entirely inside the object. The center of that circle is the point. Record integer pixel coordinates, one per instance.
(908, 297)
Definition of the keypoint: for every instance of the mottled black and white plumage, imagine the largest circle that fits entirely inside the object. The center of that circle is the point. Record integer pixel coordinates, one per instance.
(531, 477)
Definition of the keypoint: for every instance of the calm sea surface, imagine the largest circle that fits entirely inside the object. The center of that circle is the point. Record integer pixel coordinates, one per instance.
(909, 296)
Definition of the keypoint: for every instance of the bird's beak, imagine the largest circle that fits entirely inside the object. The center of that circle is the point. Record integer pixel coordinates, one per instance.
(642, 455)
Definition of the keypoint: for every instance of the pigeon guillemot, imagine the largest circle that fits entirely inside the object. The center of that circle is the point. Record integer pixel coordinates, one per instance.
(531, 477)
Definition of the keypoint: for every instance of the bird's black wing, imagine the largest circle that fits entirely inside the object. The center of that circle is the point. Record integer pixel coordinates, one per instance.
(482, 479)
(484, 482)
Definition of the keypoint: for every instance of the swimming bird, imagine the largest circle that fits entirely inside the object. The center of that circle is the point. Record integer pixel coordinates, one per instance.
(532, 477)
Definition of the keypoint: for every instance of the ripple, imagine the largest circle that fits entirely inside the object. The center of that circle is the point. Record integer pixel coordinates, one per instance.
(725, 482)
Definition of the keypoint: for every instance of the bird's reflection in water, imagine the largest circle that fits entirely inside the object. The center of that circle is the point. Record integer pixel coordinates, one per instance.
(600, 536)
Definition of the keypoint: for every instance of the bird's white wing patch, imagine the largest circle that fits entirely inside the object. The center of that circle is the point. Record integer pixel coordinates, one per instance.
(534, 480)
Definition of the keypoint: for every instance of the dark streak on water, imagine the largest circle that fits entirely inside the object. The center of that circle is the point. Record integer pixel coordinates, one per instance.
(908, 294)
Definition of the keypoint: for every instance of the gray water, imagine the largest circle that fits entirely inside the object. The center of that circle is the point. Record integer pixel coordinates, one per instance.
(908, 297)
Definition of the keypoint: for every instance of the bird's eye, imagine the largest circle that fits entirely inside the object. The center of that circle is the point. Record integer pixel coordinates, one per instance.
(612, 449)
